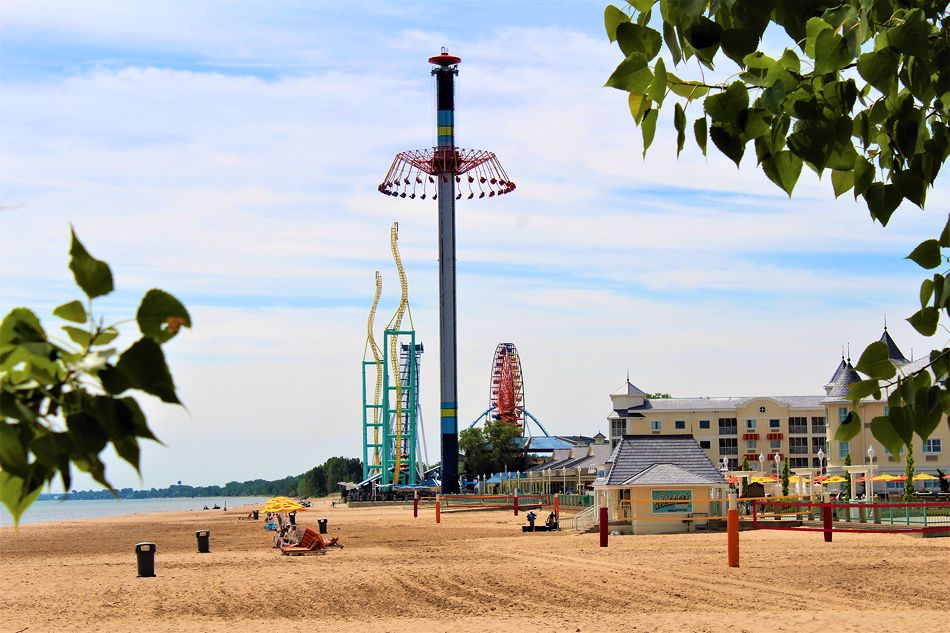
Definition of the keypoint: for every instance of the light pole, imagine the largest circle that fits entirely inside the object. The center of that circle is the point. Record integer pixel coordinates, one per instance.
(778, 462)
(869, 478)
(762, 463)
(821, 462)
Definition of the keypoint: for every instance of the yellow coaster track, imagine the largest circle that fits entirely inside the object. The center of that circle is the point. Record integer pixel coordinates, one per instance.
(394, 324)
(371, 346)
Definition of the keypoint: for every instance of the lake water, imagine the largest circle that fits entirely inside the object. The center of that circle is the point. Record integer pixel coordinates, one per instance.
(55, 510)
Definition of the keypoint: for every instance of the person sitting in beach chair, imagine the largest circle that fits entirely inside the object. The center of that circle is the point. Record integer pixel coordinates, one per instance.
(551, 522)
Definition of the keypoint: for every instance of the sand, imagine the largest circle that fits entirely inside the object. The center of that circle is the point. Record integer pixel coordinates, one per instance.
(474, 572)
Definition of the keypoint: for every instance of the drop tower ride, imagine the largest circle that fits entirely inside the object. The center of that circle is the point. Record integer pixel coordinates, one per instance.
(446, 173)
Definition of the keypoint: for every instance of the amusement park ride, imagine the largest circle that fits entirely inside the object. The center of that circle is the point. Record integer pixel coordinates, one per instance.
(436, 172)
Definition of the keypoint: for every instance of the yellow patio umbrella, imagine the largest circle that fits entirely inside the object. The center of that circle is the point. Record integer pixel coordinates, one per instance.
(764, 480)
(885, 477)
(282, 504)
(794, 479)
(837, 479)
(925, 477)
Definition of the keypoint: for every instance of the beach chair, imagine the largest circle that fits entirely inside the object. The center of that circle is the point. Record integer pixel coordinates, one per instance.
(311, 543)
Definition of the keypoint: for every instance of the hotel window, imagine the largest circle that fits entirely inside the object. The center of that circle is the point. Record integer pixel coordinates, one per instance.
(798, 462)
(618, 427)
(679, 425)
(798, 425)
(798, 446)
(842, 414)
(817, 444)
(704, 444)
(775, 424)
(656, 426)
(750, 424)
(728, 446)
(843, 450)
(751, 445)
(818, 424)
(775, 445)
(932, 445)
(727, 426)
(704, 424)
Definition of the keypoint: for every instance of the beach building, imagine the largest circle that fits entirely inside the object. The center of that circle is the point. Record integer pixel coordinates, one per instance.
(660, 484)
(800, 429)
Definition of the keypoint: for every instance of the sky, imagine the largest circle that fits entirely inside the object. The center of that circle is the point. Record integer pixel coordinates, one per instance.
(229, 153)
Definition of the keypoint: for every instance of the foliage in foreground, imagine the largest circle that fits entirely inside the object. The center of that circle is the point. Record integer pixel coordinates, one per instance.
(862, 91)
(63, 402)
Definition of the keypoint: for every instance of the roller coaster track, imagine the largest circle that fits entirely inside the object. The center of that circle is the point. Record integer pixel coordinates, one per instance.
(371, 346)
(395, 324)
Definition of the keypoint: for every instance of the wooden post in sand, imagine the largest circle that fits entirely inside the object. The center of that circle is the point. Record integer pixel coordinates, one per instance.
(415, 504)
(516, 502)
(826, 521)
(438, 508)
(557, 507)
(732, 530)
(603, 520)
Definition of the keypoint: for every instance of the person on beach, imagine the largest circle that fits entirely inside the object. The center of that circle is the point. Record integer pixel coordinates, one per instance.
(551, 522)
(531, 518)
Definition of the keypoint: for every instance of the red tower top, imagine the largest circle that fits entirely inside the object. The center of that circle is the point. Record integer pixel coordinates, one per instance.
(444, 59)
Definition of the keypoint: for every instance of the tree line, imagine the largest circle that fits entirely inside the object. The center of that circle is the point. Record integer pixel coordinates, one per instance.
(319, 481)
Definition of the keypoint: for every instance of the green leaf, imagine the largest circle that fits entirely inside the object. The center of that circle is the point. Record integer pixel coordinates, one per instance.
(16, 495)
(634, 38)
(679, 122)
(882, 201)
(699, 131)
(648, 127)
(812, 144)
(927, 254)
(884, 432)
(926, 292)
(925, 320)
(160, 315)
(929, 406)
(783, 168)
(86, 432)
(21, 326)
(813, 28)
(875, 362)
(613, 17)
(92, 275)
(879, 68)
(642, 5)
(632, 75)
(910, 37)
(911, 186)
(773, 99)
(72, 311)
(689, 90)
(902, 423)
(105, 337)
(638, 106)
(672, 42)
(739, 43)
(79, 336)
(863, 175)
(842, 181)
(727, 106)
(849, 428)
(831, 52)
(863, 389)
(658, 87)
(729, 144)
(12, 453)
(143, 366)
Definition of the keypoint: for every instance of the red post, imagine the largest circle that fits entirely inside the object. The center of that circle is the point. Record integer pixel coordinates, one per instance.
(732, 530)
(603, 526)
(438, 510)
(826, 520)
(415, 506)
(557, 508)
(755, 517)
(516, 503)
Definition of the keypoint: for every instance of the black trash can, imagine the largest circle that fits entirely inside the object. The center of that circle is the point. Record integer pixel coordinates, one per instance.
(145, 553)
(256, 513)
(322, 524)
(204, 541)
(293, 518)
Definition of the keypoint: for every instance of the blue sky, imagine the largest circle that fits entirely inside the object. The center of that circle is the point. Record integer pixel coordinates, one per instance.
(230, 155)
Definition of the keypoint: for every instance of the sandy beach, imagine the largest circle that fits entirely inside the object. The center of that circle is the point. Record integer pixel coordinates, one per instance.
(474, 572)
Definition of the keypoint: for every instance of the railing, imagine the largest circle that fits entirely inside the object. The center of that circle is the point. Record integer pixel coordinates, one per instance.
(582, 521)
(576, 501)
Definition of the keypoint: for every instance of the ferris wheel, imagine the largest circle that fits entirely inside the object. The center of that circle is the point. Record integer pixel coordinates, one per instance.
(507, 385)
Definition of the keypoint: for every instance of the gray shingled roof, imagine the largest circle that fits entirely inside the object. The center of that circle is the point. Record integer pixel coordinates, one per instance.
(720, 404)
(635, 454)
(670, 475)
(841, 385)
(893, 352)
(841, 367)
(628, 389)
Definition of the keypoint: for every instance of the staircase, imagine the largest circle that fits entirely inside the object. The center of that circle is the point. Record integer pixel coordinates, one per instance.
(585, 521)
